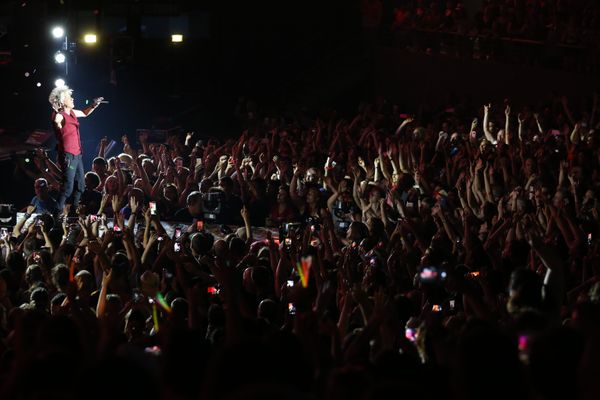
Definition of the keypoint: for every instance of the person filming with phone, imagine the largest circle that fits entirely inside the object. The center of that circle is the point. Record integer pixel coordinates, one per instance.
(66, 128)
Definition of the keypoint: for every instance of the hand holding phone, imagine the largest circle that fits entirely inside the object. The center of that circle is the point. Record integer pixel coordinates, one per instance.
(291, 309)
(152, 206)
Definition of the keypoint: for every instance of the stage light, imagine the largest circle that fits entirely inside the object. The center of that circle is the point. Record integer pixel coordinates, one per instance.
(59, 82)
(39, 84)
(59, 57)
(58, 32)
(90, 38)
(176, 38)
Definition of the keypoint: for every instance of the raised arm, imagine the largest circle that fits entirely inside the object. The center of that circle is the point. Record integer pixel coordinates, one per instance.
(486, 118)
(88, 110)
(507, 125)
(403, 125)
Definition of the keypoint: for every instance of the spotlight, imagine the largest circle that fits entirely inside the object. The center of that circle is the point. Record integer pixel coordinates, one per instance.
(90, 38)
(58, 32)
(39, 84)
(59, 82)
(176, 38)
(59, 57)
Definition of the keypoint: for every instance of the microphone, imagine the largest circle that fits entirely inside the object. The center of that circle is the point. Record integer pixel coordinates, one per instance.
(96, 102)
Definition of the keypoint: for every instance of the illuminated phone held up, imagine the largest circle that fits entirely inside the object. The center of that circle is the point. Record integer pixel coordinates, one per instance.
(432, 274)
(291, 309)
(152, 206)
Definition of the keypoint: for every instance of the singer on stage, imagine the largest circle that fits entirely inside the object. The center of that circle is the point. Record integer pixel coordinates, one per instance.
(66, 128)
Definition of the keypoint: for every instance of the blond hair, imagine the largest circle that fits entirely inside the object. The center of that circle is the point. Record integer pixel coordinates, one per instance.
(57, 97)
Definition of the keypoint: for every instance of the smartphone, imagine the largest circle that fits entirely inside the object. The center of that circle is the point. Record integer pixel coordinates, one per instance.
(314, 228)
(436, 308)
(589, 239)
(177, 247)
(154, 350)
(288, 242)
(452, 304)
(36, 257)
(411, 334)
(432, 274)
(93, 218)
(39, 222)
(291, 309)
(290, 283)
(152, 206)
(200, 225)
(473, 274)
(3, 233)
(116, 228)
(213, 290)
(177, 233)
(524, 347)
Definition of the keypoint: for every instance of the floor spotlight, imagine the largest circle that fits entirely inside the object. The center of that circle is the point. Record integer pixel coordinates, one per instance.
(59, 82)
(177, 38)
(58, 32)
(90, 38)
(59, 57)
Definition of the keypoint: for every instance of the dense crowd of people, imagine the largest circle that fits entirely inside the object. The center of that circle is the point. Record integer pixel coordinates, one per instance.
(433, 256)
(573, 22)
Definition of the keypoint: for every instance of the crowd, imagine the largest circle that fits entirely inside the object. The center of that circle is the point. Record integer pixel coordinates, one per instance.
(572, 22)
(434, 256)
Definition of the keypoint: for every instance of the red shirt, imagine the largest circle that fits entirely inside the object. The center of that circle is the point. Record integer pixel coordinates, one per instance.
(68, 136)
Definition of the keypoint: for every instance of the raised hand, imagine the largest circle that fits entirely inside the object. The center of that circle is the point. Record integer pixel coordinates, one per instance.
(107, 277)
(133, 204)
(474, 124)
(245, 214)
(361, 162)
